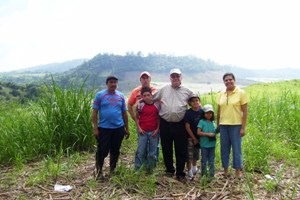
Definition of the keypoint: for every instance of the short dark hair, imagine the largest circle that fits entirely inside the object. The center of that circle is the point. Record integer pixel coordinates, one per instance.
(111, 77)
(228, 74)
(146, 89)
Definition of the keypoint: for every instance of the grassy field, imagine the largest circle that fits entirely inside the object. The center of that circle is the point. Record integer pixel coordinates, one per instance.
(50, 141)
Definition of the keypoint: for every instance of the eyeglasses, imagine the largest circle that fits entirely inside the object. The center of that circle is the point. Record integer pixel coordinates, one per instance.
(175, 76)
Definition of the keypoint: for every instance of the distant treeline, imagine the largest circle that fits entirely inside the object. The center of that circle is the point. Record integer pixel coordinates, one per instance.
(94, 71)
(13, 92)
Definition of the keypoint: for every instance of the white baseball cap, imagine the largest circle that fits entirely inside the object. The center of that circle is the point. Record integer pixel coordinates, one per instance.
(145, 73)
(175, 71)
(207, 108)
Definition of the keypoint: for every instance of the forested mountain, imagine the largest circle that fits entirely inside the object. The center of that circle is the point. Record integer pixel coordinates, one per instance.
(128, 67)
(53, 67)
(36, 74)
(93, 72)
(13, 92)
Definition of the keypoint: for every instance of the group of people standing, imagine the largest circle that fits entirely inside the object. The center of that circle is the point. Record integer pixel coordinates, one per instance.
(173, 116)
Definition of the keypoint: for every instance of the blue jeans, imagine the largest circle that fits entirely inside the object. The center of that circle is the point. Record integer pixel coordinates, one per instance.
(208, 156)
(146, 144)
(157, 156)
(230, 138)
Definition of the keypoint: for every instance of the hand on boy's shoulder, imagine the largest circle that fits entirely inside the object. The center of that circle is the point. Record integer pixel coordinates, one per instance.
(159, 101)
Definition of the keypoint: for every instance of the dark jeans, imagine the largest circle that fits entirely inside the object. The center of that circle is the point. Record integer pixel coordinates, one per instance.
(109, 141)
(174, 132)
(208, 156)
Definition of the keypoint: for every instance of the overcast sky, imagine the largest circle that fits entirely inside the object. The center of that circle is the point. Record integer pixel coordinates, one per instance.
(249, 34)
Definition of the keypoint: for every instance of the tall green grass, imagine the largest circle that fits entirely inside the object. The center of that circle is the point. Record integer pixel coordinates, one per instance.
(60, 119)
(20, 139)
(66, 116)
(273, 125)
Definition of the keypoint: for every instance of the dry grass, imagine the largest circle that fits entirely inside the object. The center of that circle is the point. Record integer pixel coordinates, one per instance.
(14, 185)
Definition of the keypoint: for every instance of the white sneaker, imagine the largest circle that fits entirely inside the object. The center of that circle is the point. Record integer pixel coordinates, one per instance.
(195, 170)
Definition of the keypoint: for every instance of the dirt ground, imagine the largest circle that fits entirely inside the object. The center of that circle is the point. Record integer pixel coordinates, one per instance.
(84, 186)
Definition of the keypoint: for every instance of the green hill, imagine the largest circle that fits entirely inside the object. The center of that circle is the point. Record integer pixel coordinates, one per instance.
(128, 67)
(13, 92)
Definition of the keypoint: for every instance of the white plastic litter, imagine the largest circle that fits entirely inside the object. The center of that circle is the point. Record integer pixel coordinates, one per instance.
(62, 188)
(269, 177)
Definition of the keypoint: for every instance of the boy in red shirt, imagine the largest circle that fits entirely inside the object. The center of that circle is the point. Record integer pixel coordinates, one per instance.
(147, 122)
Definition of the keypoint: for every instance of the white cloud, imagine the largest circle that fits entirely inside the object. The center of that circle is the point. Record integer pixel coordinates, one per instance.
(249, 34)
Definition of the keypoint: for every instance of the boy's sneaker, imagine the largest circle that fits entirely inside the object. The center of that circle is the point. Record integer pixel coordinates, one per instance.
(191, 175)
(195, 170)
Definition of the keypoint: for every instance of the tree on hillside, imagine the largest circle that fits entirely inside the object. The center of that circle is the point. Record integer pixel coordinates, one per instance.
(15, 93)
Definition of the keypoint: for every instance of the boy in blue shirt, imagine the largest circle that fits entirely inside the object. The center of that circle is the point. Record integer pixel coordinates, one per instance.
(191, 118)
